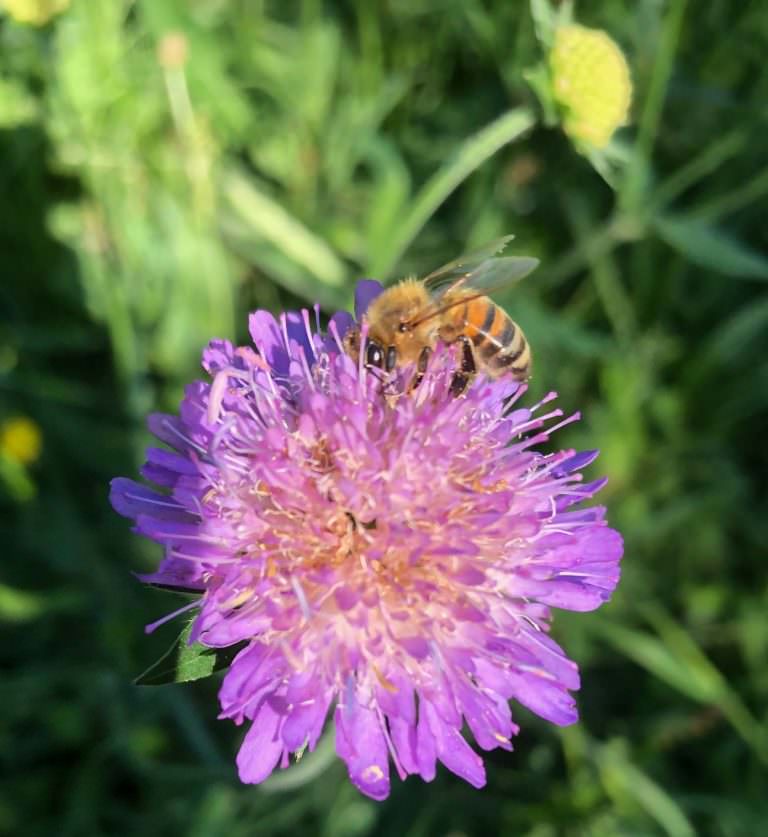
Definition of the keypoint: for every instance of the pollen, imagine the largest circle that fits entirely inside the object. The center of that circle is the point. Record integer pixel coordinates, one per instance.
(373, 773)
(383, 682)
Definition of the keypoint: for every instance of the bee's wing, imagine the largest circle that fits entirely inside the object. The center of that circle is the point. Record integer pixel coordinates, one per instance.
(488, 276)
(495, 274)
(446, 276)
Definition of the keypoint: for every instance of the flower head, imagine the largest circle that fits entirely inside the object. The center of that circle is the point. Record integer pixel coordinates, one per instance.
(36, 12)
(21, 440)
(591, 81)
(387, 557)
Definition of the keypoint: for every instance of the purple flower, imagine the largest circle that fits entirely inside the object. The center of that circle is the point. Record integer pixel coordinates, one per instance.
(389, 558)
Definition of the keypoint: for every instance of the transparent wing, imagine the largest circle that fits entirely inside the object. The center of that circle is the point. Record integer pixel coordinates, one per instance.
(489, 276)
(494, 274)
(448, 274)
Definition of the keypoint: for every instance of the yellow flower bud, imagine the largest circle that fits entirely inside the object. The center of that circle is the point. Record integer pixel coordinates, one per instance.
(172, 50)
(591, 82)
(20, 440)
(36, 12)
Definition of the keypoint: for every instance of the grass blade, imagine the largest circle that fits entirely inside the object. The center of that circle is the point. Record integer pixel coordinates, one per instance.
(710, 247)
(269, 220)
(469, 157)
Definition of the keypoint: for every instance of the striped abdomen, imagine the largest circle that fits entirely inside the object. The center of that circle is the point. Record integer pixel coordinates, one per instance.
(499, 345)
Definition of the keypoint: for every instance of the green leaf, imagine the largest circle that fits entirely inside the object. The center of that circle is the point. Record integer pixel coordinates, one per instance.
(674, 657)
(699, 167)
(538, 77)
(15, 479)
(308, 767)
(625, 781)
(650, 653)
(20, 605)
(636, 180)
(710, 247)
(185, 661)
(271, 221)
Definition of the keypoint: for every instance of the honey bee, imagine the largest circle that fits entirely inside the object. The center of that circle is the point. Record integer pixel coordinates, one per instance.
(451, 306)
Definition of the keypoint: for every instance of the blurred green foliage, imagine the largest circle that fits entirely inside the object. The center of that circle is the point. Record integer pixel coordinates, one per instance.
(167, 165)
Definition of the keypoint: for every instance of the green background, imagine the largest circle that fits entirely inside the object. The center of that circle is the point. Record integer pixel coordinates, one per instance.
(149, 200)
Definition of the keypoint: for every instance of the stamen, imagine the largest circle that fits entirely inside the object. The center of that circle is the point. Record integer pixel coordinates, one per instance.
(198, 559)
(335, 334)
(564, 422)
(154, 625)
(169, 504)
(186, 439)
(309, 377)
(216, 395)
(550, 396)
(301, 597)
(223, 430)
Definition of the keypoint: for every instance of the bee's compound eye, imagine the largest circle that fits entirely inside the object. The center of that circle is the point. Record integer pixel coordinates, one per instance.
(374, 356)
(391, 358)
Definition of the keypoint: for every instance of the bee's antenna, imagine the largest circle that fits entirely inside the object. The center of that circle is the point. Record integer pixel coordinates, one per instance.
(438, 311)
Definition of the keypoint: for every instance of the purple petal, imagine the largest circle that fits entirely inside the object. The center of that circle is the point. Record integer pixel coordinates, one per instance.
(361, 743)
(579, 493)
(221, 631)
(131, 499)
(576, 462)
(169, 429)
(586, 575)
(454, 752)
(343, 321)
(489, 720)
(297, 333)
(568, 593)
(366, 291)
(550, 656)
(268, 338)
(346, 597)
(261, 748)
(426, 749)
(217, 355)
(305, 722)
(404, 741)
(163, 467)
(416, 646)
(175, 573)
(545, 697)
(253, 674)
(441, 698)
(397, 699)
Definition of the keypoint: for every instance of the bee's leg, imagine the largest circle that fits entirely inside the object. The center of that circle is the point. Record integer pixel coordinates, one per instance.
(467, 368)
(421, 367)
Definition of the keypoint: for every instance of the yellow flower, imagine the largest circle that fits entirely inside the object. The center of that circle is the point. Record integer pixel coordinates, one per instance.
(20, 440)
(36, 12)
(591, 82)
